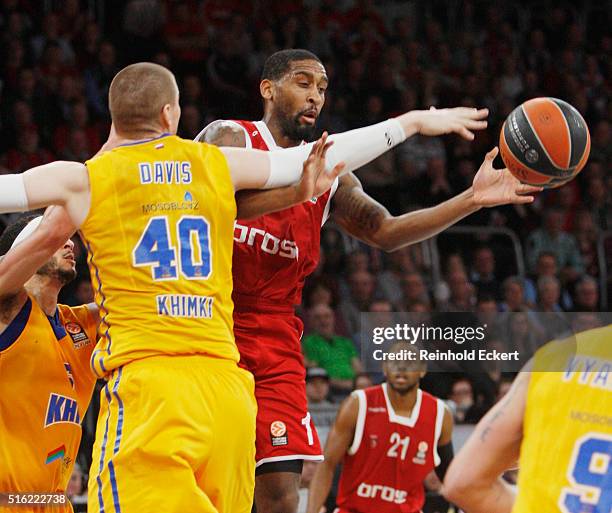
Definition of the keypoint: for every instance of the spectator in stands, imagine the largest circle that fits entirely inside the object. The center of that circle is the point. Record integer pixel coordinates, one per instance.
(362, 291)
(547, 312)
(463, 403)
(549, 291)
(413, 291)
(483, 272)
(583, 321)
(28, 152)
(324, 348)
(546, 266)
(98, 78)
(586, 295)
(83, 292)
(389, 281)
(321, 291)
(513, 295)
(600, 202)
(586, 233)
(362, 380)
(76, 489)
(461, 298)
(322, 411)
(563, 245)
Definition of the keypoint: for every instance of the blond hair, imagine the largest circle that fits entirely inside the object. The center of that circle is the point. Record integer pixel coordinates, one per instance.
(138, 94)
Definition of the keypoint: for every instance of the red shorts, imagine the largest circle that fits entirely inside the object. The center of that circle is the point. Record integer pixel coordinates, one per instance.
(270, 348)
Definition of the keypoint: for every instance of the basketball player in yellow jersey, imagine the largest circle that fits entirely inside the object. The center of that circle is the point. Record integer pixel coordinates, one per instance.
(176, 430)
(45, 378)
(558, 419)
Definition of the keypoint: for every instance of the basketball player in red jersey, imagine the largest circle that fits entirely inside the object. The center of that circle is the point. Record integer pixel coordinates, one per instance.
(274, 253)
(388, 437)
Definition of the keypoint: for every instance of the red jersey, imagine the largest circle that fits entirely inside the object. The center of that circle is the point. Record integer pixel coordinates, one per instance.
(391, 455)
(274, 253)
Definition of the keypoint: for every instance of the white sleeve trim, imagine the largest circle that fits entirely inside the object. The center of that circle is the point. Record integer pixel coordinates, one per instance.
(247, 138)
(438, 432)
(14, 197)
(360, 421)
(333, 190)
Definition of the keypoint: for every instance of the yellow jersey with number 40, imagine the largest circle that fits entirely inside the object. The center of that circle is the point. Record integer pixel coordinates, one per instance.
(566, 453)
(159, 235)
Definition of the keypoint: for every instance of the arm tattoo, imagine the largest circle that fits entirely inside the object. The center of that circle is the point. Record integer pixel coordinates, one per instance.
(224, 134)
(358, 211)
(502, 407)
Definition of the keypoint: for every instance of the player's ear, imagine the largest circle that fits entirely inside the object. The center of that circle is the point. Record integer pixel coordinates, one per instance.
(266, 88)
(166, 117)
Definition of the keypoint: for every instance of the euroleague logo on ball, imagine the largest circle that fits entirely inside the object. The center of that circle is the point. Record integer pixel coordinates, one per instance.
(278, 428)
(532, 156)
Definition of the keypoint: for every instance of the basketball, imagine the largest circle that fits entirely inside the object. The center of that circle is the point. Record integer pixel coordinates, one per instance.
(545, 142)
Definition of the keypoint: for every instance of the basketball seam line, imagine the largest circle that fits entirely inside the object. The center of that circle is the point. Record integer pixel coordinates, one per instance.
(521, 163)
(541, 144)
(569, 133)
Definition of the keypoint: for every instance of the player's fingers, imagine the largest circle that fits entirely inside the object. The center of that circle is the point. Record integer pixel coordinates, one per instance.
(338, 168)
(528, 189)
(313, 150)
(465, 133)
(325, 148)
(473, 124)
(323, 140)
(492, 154)
(523, 199)
(474, 113)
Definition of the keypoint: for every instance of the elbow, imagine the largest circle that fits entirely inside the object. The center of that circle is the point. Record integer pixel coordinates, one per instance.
(455, 485)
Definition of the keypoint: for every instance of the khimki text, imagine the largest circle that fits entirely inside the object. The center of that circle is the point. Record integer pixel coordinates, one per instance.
(437, 355)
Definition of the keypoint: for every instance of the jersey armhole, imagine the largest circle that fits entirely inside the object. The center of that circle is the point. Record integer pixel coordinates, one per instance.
(247, 139)
(359, 427)
(332, 191)
(439, 421)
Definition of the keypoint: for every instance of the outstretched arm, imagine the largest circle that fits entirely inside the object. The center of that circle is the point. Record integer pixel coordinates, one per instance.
(253, 169)
(26, 257)
(366, 219)
(473, 480)
(339, 440)
(57, 183)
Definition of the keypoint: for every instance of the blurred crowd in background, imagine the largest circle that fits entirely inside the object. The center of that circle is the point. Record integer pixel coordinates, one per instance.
(382, 58)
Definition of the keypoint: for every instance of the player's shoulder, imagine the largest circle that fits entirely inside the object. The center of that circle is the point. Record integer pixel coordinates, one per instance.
(68, 313)
(224, 132)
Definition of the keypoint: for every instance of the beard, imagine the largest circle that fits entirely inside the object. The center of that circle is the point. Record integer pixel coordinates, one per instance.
(54, 271)
(292, 128)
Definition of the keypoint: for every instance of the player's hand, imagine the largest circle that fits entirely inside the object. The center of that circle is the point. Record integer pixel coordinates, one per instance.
(315, 179)
(498, 186)
(460, 120)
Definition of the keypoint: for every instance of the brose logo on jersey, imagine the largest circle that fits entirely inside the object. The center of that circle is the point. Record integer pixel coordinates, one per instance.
(386, 493)
(62, 409)
(269, 243)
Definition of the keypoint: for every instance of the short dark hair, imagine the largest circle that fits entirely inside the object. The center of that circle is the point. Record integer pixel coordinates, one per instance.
(279, 62)
(11, 232)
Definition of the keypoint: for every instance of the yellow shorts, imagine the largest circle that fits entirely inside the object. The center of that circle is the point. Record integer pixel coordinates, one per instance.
(175, 434)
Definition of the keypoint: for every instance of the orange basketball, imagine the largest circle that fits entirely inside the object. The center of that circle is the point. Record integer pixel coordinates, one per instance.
(545, 142)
